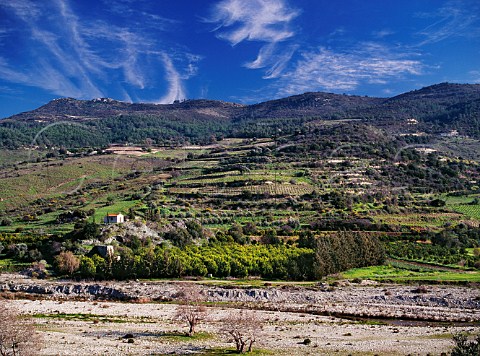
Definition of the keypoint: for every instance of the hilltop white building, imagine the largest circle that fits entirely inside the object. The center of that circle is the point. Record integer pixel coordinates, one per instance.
(114, 218)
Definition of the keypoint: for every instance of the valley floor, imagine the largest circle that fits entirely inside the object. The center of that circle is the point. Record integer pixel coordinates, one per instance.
(329, 316)
(284, 332)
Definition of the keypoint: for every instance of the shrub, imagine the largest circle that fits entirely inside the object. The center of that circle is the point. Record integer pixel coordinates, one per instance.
(18, 251)
(463, 347)
(67, 263)
(6, 222)
(87, 267)
(37, 270)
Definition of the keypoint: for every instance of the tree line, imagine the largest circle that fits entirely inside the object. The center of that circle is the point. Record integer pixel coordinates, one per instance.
(310, 259)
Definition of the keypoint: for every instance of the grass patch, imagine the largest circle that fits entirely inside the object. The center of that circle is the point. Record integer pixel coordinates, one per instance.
(390, 273)
(181, 337)
(12, 265)
(55, 178)
(10, 157)
(45, 222)
(101, 209)
(94, 318)
(231, 351)
(436, 336)
(463, 204)
(441, 277)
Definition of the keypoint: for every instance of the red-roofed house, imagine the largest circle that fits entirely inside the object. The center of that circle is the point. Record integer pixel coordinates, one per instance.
(114, 218)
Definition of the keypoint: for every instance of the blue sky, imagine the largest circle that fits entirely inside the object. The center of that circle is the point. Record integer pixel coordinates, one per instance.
(243, 51)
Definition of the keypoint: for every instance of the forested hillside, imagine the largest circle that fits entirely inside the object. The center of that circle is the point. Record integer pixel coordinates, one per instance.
(75, 123)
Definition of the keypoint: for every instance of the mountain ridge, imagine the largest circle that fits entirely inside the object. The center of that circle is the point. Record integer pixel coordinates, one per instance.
(439, 107)
(307, 103)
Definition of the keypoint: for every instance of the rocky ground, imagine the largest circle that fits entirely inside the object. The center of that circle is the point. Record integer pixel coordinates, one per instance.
(364, 319)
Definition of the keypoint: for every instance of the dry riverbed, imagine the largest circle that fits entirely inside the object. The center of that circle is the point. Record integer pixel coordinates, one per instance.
(84, 318)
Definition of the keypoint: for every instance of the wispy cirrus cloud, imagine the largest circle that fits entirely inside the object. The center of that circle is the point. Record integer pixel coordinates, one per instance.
(455, 19)
(175, 87)
(80, 57)
(3, 32)
(383, 33)
(253, 20)
(344, 65)
(264, 21)
(137, 15)
(474, 76)
(276, 61)
(324, 69)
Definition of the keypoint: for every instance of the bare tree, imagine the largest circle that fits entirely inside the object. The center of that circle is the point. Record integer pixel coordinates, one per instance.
(190, 306)
(244, 327)
(17, 333)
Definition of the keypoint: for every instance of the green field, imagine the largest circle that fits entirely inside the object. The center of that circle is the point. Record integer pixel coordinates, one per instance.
(102, 209)
(467, 205)
(11, 157)
(389, 273)
(433, 220)
(471, 211)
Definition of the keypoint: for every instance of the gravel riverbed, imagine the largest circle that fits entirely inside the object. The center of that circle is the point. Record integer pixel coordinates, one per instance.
(361, 319)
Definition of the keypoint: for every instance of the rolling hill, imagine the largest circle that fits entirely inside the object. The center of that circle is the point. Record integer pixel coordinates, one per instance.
(103, 121)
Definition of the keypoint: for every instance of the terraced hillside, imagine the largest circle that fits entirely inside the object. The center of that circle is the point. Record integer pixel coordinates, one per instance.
(346, 175)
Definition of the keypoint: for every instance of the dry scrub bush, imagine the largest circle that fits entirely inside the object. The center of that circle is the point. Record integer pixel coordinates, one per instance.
(17, 333)
(190, 306)
(67, 262)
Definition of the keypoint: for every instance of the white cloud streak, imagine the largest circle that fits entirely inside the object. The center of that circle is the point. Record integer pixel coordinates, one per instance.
(23, 8)
(254, 20)
(383, 33)
(454, 20)
(267, 21)
(280, 62)
(67, 59)
(133, 12)
(323, 69)
(474, 76)
(175, 87)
